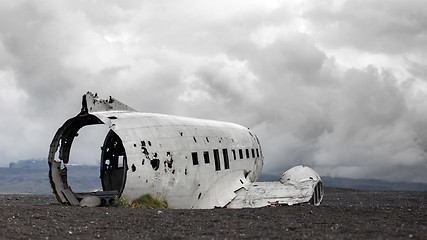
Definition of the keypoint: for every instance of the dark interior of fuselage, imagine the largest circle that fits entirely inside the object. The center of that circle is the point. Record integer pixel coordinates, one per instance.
(113, 163)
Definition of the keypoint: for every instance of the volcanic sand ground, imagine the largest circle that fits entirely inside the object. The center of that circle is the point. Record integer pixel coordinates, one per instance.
(344, 213)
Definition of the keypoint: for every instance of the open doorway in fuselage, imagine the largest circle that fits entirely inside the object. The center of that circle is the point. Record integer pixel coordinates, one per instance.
(113, 163)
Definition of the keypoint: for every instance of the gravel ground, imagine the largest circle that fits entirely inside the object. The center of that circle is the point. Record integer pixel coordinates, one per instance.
(343, 214)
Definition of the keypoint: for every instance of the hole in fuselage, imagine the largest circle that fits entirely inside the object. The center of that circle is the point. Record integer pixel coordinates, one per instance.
(83, 166)
(155, 163)
(113, 163)
(72, 175)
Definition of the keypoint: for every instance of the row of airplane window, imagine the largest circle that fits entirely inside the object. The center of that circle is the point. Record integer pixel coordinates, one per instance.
(195, 156)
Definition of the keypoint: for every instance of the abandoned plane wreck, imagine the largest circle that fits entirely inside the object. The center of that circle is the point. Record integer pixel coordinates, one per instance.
(190, 163)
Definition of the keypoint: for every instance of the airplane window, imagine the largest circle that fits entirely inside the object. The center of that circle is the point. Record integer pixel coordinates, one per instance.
(253, 153)
(234, 153)
(120, 162)
(240, 153)
(226, 161)
(216, 158)
(206, 156)
(247, 153)
(257, 152)
(195, 159)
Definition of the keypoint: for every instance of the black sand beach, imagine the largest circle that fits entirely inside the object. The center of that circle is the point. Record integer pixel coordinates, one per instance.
(343, 214)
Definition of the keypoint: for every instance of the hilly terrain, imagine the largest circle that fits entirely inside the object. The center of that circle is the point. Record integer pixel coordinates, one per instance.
(31, 176)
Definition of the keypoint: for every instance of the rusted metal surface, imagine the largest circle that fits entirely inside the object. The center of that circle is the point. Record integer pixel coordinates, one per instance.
(191, 163)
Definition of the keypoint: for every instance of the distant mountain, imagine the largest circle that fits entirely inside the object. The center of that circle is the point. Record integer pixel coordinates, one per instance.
(362, 184)
(31, 176)
(372, 184)
(30, 163)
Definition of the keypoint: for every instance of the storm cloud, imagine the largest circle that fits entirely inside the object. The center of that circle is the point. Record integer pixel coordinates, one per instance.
(336, 85)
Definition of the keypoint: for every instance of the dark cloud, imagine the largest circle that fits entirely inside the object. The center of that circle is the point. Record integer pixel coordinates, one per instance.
(393, 27)
(304, 76)
(418, 70)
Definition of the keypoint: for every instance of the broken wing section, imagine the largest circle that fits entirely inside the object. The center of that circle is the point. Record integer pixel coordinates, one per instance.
(223, 191)
(299, 184)
(60, 147)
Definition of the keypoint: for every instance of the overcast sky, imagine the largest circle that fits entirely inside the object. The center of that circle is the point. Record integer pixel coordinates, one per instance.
(337, 85)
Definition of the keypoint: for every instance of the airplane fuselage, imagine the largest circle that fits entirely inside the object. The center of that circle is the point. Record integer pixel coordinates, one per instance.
(190, 163)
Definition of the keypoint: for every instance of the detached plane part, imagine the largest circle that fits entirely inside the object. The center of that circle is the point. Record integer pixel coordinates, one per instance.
(190, 163)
